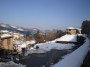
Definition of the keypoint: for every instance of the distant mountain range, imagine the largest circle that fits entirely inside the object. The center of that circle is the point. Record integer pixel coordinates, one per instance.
(18, 29)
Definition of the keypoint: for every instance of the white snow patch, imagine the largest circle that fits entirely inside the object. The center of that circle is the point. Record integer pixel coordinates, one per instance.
(14, 27)
(68, 38)
(20, 44)
(5, 35)
(24, 45)
(44, 47)
(20, 29)
(17, 28)
(49, 46)
(70, 28)
(17, 42)
(21, 35)
(4, 31)
(32, 41)
(3, 25)
(10, 64)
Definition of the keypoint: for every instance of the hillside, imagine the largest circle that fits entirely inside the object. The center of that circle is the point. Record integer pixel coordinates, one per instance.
(12, 28)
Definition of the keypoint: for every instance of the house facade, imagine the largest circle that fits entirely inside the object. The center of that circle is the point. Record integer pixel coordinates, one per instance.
(16, 35)
(6, 42)
(71, 31)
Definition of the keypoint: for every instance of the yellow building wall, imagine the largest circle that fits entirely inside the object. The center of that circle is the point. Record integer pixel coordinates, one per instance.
(7, 43)
(16, 36)
(11, 44)
(4, 44)
(71, 31)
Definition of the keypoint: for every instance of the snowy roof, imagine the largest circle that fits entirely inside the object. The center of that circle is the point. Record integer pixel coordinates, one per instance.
(70, 28)
(5, 35)
(68, 38)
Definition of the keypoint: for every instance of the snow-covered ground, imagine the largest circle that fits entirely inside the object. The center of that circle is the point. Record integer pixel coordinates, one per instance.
(75, 59)
(44, 47)
(10, 64)
(49, 46)
(22, 44)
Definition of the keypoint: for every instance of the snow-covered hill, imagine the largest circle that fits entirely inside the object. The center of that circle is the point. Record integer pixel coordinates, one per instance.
(12, 28)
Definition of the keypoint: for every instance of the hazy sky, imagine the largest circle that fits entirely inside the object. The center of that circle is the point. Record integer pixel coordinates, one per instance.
(44, 14)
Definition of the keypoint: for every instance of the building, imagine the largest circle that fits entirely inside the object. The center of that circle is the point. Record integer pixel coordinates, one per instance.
(86, 28)
(16, 35)
(6, 42)
(71, 30)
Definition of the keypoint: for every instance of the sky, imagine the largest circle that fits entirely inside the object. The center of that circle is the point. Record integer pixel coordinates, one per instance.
(44, 14)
